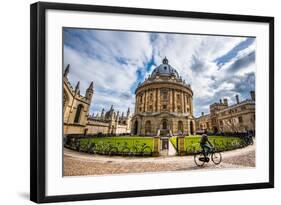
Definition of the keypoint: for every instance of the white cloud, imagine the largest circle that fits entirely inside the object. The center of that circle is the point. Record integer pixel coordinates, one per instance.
(110, 61)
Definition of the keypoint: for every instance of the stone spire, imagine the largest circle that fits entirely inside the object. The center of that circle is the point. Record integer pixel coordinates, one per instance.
(237, 99)
(77, 89)
(128, 112)
(91, 86)
(102, 113)
(253, 95)
(111, 112)
(90, 91)
(66, 71)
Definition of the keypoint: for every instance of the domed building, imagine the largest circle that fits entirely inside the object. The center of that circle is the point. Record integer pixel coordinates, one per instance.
(163, 104)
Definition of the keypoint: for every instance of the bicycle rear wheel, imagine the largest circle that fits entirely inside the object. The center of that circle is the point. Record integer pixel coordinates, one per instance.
(216, 158)
(199, 159)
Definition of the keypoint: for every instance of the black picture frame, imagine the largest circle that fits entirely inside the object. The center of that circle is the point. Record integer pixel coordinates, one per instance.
(38, 100)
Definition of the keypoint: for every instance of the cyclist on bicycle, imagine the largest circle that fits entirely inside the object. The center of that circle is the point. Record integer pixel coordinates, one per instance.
(206, 145)
(249, 137)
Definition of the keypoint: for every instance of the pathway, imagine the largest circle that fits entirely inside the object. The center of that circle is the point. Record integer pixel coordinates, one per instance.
(76, 163)
(172, 151)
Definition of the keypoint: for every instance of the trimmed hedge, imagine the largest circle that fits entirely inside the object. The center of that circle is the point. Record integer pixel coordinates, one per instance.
(221, 143)
(103, 144)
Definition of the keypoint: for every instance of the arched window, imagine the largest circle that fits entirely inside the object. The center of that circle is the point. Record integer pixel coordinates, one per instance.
(136, 127)
(78, 113)
(180, 127)
(141, 98)
(164, 124)
(191, 128)
(151, 97)
(147, 127)
(164, 95)
(65, 99)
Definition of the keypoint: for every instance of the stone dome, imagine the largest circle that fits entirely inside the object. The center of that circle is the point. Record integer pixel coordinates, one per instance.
(165, 69)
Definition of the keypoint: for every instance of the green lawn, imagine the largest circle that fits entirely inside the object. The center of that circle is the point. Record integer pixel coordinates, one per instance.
(119, 142)
(174, 141)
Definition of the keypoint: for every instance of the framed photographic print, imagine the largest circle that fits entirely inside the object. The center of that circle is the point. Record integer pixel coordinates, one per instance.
(129, 102)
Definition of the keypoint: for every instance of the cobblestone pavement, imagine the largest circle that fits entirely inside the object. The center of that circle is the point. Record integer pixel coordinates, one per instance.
(76, 163)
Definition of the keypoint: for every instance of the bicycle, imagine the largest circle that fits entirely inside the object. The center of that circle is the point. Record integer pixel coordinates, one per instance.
(99, 148)
(215, 156)
(88, 146)
(248, 140)
(124, 150)
(140, 149)
(74, 144)
(109, 149)
(112, 150)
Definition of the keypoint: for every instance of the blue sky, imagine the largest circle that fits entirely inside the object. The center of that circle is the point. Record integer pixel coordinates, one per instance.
(116, 61)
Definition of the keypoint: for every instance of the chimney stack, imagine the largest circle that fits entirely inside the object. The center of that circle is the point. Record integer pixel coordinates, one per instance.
(225, 101)
(220, 101)
(253, 95)
(237, 99)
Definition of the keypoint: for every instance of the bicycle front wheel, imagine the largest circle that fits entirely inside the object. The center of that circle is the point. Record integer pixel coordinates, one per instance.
(216, 158)
(147, 151)
(199, 159)
(133, 152)
(91, 148)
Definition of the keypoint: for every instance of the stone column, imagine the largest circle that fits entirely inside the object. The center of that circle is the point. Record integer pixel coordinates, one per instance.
(158, 100)
(156, 146)
(182, 102)
(170, 101)
(144, 102)
(136, 104)
(180, 145)
(175, 101)
(188, 103)
(191, 105)
(154, 101)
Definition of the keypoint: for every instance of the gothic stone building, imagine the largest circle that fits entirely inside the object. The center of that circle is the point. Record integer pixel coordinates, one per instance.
(163, 104)
(77, 120)
(239, 117)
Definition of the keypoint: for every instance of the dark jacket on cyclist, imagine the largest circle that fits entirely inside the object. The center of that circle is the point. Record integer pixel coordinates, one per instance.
(205, 144)
(204, 140)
